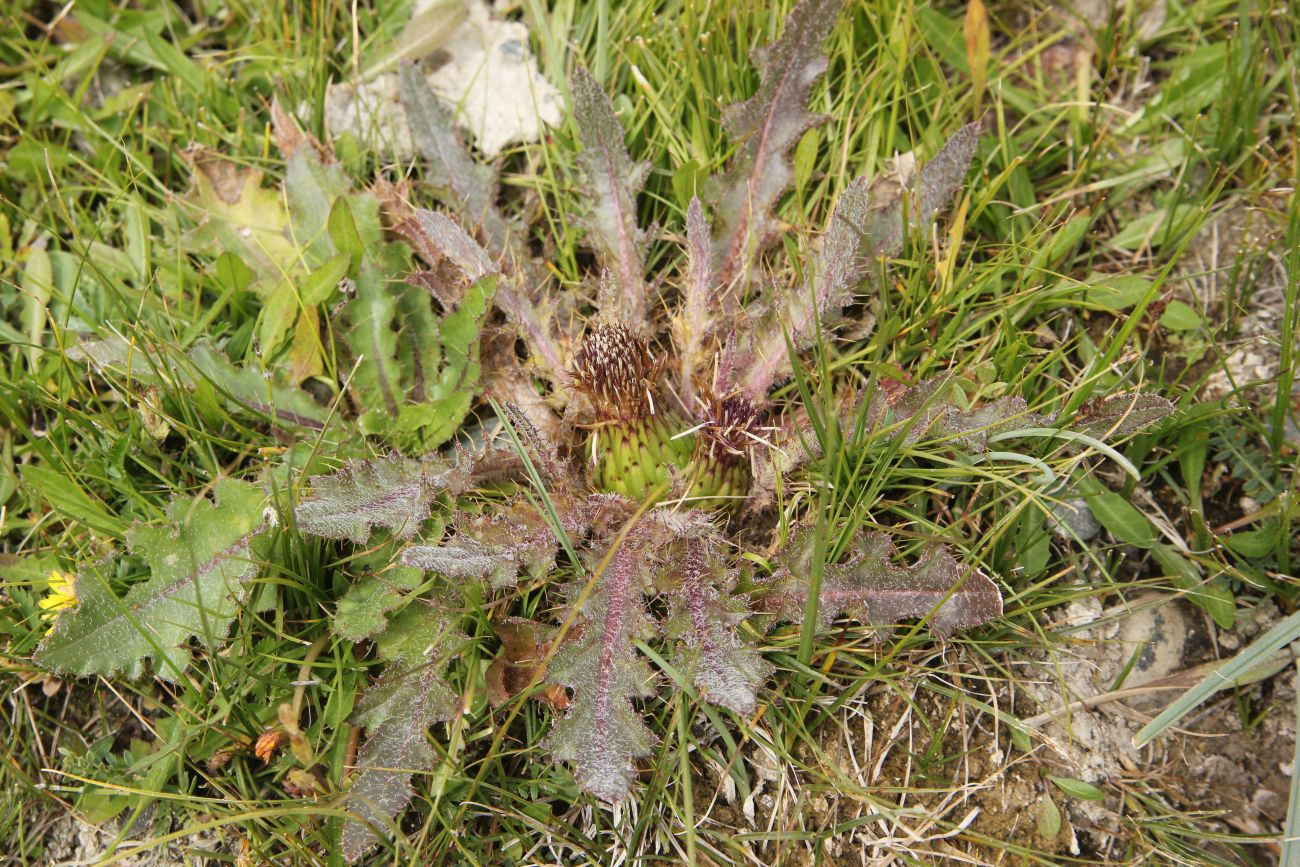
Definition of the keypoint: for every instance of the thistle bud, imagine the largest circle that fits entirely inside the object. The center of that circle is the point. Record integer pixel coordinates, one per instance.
(638, 443)
(633, 442)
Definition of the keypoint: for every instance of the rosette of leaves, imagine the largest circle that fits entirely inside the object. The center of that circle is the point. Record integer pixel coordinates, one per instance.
(647, 437)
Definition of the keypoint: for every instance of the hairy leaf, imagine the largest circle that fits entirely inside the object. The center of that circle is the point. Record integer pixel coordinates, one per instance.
(867, 224)
(872, 589)
(767, 126)
(494, 547)
(437, 236)
(469, 185)
(199, 561)
(727, 672)
(1120, 415)
(379, 586)
(838, 270)
(602, 732)
(615, 182)
(396, 711)
(392, 492)
(927, 192)
(702, 305)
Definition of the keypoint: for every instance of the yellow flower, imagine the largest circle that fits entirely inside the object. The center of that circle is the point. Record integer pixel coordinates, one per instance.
(61, 595)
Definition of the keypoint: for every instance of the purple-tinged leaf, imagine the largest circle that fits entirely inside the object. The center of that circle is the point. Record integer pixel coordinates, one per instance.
(702, 305)
(766, 126)
(469, 185)
(602, 732)
(927, 192)
(727, 672)
(465, 558)
(872, 589)
(396, 711)
(393, 492)
(1120, 415)
(535, 321)
(867, 224)
(497, 546)
(436, 236)
(614, 181)
(839, 269)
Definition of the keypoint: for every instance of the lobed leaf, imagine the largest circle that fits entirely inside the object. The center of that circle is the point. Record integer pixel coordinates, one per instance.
(867, 224)
(369, 334)
(838, 270)
(1120, 415)
(494, 547)
(766, 126)
(872, 589)
(393, 492)
(437, 236)
(397, 711)
(602, 732)
(926, 193)
(725, 670)
(469, 185)
(199, 562)
(378, 586)
(615, 182)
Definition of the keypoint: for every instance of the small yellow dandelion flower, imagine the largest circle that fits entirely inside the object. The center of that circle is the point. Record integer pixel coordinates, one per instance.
(61, 595)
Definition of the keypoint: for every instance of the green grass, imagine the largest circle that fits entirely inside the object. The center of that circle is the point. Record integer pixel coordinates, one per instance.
(1049, 279)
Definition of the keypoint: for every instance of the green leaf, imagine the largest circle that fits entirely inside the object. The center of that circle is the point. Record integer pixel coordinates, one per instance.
(1049, 818)
(1078, 789)
(343, 232)
(1253, 543)
(276, 321)
(396, 711)
(1122, 519)
(68, 499)
(1180, 317)
(1215, 596)
(1153, 228)
(321, 285)
(312, 189)
(247, 386)
(376, 384)
(379, 586)
(199, 561)
(1117, 292)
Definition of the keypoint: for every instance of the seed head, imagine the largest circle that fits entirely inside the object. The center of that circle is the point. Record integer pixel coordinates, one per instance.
(617, 371)
(729, 432)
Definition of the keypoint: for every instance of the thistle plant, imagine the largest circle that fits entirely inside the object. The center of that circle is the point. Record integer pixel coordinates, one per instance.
(641, 449)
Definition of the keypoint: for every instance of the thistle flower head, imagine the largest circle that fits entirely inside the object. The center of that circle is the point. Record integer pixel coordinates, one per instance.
(617, 371)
